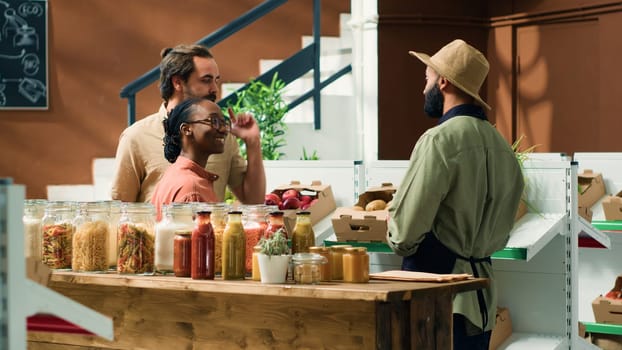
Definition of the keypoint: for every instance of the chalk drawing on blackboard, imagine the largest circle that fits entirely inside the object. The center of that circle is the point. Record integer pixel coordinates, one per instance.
(31, 63)
(2, 95)
(30, 9)
(32, 89)
(12, 23)
(26, 36)
(20, 55)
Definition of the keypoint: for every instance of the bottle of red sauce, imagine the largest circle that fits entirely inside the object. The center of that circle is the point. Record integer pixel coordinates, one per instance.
(202, 265)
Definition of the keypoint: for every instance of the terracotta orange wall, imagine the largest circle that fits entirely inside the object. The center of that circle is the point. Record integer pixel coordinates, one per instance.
(98, 46)
(571, 101)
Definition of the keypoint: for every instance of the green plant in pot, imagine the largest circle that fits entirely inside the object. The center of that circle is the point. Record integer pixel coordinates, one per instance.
(273, 257)
(521, 156)
(267, 105)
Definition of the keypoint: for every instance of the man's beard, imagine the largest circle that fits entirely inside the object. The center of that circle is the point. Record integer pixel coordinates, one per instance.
(434, 101)
(187, 95)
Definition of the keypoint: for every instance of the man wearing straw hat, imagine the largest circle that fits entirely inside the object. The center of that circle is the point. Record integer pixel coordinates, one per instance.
(457, 201)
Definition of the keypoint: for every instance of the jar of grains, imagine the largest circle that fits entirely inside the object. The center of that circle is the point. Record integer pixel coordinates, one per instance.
(33, 213)
(175, 216)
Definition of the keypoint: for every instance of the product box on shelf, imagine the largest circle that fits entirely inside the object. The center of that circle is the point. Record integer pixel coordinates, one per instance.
(591, 189)
(502, 330)
(608, 308)
(320, 201)
(612, 206)
(367, 219)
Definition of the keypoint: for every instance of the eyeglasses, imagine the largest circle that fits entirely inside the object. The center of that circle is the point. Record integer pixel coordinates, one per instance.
(214, 122)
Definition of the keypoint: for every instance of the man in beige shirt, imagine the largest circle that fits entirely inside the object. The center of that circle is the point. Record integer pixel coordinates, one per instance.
(187, 71)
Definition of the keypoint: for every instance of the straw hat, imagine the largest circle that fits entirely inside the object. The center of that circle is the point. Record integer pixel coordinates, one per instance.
(462, 64)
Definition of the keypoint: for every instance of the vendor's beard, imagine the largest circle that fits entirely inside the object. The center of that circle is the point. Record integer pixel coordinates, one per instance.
(434, 101)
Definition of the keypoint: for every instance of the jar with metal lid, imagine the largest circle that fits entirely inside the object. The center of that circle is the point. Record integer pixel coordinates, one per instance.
(356, 265)
(57, 233)
(325, 269)
(336, 260)
(302, 235)
(182, 248)
(175, 216)
(135, 238)
(90, 240)
(234, 248)
(33, 214)
(254, 222)
(307, 267)
(115, 215)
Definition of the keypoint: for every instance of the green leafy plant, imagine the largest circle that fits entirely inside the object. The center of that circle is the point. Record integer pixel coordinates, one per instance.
(267, 105)
(275, 244)
(312, 156)
(521, 156)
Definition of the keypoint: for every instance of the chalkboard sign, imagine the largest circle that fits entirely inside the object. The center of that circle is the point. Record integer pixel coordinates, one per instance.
(23, 54)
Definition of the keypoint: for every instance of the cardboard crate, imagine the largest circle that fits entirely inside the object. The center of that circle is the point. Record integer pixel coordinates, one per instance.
(38, 271)
(591, 188)
(612, 206)
(350, 224)
(503, 328)
(608, 310)
(324, 206)
(607, 341)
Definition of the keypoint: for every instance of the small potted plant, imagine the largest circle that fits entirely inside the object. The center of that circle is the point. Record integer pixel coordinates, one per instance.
(273, 257)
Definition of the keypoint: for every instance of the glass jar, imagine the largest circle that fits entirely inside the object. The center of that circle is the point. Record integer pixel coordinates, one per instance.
(325, 269)
(135, 238)
(303, 236)
(202, 261)
(356, 265)
(182, 248)
(307, 267)
(115, 215)
(234, 248)
(90, 240)
(336, 260)
(218, 219)
(256, 275)
(175, 216)
(254, 222)
(275, 222)
(57, 232)
(33, 214)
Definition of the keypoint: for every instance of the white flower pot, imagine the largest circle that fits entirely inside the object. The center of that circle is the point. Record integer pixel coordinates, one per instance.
(273, 268)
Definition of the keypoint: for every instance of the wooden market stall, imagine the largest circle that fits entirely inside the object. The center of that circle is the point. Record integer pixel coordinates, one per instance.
(162, 312)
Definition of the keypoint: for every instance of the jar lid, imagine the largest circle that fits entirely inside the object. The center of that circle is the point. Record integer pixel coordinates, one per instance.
(303, 213)
(309, 258)
(183, 232)
(319, 249)
(339, 248)
(359, 250)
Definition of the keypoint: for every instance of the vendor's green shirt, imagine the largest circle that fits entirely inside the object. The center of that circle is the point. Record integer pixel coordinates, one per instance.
(464, 184)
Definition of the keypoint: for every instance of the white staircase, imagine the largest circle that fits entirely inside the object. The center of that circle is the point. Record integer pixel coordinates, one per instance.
(339, 135)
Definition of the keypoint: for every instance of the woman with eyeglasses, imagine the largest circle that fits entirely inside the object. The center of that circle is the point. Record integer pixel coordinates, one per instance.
(194, 129)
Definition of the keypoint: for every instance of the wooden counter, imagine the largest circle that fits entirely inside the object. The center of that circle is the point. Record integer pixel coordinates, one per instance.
(161, 312)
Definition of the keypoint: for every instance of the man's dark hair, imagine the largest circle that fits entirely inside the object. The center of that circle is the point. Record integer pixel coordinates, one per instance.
(178, 61)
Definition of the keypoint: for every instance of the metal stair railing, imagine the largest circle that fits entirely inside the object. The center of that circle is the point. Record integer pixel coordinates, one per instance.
(288, 70)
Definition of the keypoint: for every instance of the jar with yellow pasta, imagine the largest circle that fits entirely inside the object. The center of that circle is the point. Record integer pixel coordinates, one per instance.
(90, 241)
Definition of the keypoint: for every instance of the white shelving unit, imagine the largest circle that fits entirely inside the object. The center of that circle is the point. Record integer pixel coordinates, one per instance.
(537, 273)
(23, 297)
(599, 268)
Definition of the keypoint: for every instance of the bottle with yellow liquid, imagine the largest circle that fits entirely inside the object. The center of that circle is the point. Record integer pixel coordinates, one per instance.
(303, 236)
(234, 248)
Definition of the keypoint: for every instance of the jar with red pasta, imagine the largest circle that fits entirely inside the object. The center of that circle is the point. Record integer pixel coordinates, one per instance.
(57, 233)
(136, 239)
